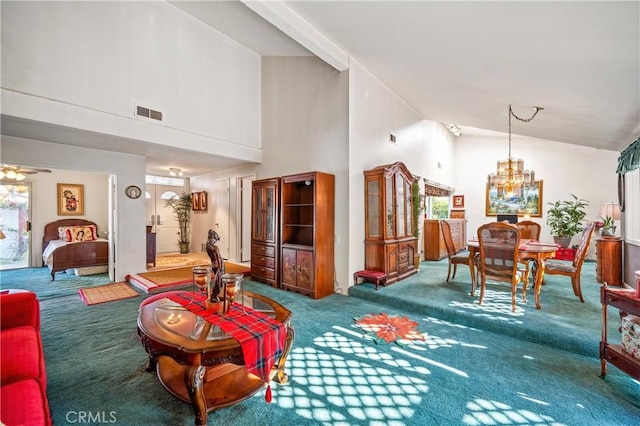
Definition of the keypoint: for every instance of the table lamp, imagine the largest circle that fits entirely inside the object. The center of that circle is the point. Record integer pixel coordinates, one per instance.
(609, 213)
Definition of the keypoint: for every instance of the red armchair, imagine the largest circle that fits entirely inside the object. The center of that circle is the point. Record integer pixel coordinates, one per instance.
(23, 397)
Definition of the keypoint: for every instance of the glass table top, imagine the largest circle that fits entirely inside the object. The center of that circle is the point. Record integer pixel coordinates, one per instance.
(177, 319)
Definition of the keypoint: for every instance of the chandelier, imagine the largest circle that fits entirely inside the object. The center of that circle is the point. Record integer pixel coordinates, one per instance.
(511, 178)
(175, 171)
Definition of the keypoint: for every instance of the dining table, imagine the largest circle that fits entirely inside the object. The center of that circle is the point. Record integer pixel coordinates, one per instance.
(529, 250)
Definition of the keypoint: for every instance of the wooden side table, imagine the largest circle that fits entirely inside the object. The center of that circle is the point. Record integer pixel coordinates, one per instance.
(609, 260)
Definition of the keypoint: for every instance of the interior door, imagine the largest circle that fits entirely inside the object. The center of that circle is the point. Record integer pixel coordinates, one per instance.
(15, 224)
(222, 216)
(161, 218)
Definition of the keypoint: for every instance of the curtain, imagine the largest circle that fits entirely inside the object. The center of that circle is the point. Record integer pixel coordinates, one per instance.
(434, 189)
(629, 158)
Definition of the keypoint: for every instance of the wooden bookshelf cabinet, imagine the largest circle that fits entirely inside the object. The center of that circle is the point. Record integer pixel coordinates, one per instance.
(389, 242)
(265, 231)
(629, 304)
(609, 260)
(308, 233)
(434, 248)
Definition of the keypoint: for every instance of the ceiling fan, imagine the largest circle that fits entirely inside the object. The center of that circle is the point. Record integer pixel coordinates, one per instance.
(18, 172)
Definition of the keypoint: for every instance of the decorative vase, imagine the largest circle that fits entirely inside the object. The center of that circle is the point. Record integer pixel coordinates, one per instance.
(608, 231)
(231, 287)
(184, 248)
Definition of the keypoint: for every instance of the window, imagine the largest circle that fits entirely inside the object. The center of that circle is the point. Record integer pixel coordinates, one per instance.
(438, 207)
(632, 206)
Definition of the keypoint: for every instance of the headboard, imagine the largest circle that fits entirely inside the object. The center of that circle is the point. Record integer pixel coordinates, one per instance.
(51, 229)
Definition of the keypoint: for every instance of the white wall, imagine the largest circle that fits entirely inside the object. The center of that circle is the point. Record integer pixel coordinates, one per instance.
(425, 147)
(565, 169)
(305, 128)
(87, 64)
(129, 235)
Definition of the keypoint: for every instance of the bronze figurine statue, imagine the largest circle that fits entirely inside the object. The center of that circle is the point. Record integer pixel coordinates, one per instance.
(217, 264)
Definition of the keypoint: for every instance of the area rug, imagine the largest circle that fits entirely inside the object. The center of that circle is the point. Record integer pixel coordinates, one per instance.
(175, 261)
(169, 279)
(106, 293)
(383, 328)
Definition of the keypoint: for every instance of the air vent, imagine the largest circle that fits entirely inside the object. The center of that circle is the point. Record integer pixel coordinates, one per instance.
(148, 113)
(392, 138)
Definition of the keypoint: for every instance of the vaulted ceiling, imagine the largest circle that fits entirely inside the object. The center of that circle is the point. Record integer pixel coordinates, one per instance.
(464, 62)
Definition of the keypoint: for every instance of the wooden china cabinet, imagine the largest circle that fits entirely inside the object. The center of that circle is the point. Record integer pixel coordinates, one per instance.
(265, 230)
(389, 241)
(307, 233)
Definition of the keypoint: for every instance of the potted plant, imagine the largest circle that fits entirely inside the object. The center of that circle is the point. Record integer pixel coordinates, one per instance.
(565, 218)
(608, 229)
(417, 201)
(181, 206)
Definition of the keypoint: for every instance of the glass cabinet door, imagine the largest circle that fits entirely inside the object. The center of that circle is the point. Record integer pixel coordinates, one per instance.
(409, 203)
(258, 225)
(374, 207)
(270, 220)
(402, 205)
(389, 206)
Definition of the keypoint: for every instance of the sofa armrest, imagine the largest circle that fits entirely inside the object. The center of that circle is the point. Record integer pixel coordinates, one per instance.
(18, 309)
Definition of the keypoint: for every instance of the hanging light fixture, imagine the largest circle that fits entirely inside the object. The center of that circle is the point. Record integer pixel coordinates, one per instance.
(174, 171)
(18, 173)
(511, 177)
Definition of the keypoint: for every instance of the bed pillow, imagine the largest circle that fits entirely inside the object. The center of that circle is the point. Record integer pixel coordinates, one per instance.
(75, 234)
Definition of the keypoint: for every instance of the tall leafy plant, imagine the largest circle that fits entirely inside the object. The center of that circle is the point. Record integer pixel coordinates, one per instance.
(565, 218)
(181, 206)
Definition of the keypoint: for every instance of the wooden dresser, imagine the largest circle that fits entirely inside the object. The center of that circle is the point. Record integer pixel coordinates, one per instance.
(609, 260)
(434, 248)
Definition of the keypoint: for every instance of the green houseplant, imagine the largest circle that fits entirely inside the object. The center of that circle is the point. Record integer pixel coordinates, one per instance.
(181, 206)
(417, 202)
(565, 218)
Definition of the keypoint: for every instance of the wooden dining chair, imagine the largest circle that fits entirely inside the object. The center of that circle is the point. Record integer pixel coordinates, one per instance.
(455, 259)
(499, 244)
(529, 230)
(572, 269)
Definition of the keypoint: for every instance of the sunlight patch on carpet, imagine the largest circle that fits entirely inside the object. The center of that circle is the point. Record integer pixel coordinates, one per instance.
(384, 328)
(106, 293)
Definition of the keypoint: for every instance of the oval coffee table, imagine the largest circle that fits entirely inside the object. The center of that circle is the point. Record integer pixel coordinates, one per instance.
(196, 361)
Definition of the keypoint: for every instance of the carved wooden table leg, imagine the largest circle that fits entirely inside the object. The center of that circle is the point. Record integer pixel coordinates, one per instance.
(539, 276)
(281, 376)
(151, 367)
(193, 379)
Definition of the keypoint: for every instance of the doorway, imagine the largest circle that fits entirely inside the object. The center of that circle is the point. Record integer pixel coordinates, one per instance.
(15, 225)
(160, 217)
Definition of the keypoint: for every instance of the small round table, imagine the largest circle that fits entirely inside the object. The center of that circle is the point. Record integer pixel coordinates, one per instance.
(196, 361)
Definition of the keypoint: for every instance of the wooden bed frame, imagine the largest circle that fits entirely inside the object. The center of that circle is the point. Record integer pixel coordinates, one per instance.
(77, 255)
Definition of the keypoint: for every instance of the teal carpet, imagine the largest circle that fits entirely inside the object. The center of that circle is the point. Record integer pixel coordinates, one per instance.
(461, 375)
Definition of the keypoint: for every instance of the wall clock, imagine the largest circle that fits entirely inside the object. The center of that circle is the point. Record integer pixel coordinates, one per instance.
(133, 191)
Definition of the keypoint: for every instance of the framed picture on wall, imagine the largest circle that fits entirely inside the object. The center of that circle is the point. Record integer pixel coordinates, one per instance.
(458, 201)
(70, 199)
(195, 201)
(527, 202)
(203, 200)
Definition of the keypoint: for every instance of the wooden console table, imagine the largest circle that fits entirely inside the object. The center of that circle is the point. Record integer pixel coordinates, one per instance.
(626, 301)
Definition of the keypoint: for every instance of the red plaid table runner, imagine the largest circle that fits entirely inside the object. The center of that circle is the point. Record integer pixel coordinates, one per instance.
(261, 337)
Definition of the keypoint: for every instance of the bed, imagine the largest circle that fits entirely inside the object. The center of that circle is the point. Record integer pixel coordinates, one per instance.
(71, 244)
